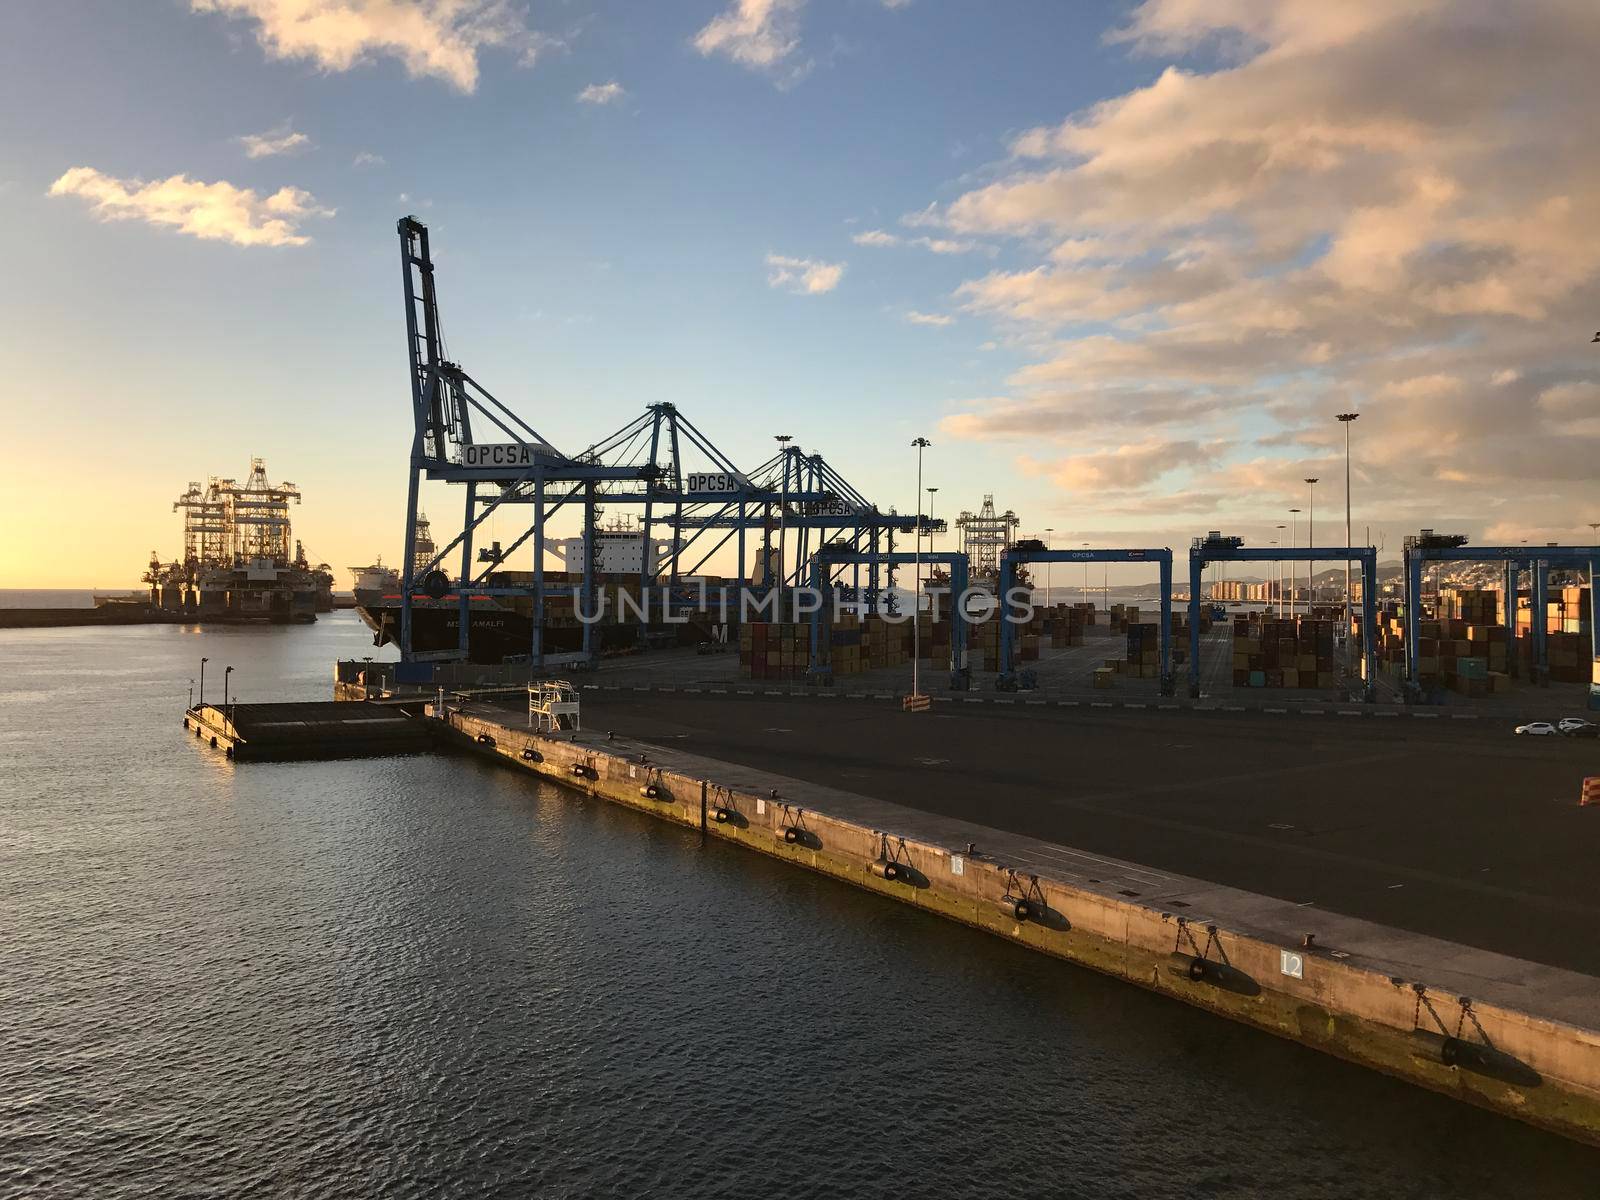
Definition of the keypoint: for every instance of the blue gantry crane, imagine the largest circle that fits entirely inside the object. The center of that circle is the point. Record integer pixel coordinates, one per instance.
(1009, 678)
(1429, 546)
(831, 557)
(452, 415)
(1214, 547)
(659, 462)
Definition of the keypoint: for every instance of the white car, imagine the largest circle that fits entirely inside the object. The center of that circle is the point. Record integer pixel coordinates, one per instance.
(1536, 729)
(1572, 724)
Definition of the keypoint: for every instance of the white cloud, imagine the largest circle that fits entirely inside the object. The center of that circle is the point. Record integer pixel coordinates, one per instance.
(282, 140)
(1124, 467)
(603, 93)
(213, 211)
(760, 34)
(1378, 205)
(804, 276)
(946, 245)
(876, 237)
(368, 159)
(922, 318)
(437, 38)
(880, 237)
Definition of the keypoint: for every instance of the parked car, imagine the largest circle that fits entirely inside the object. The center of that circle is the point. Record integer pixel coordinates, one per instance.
(1585, 731)
(1573, 724)
(1536, 729)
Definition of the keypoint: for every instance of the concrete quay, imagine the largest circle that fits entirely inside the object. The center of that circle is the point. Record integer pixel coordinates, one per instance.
(307, 729)
(1518, 1037)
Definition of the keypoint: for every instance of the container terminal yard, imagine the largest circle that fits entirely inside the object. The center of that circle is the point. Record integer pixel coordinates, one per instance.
(1296, 820)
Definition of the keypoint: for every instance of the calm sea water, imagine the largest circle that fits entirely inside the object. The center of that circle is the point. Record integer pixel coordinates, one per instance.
(431, 977)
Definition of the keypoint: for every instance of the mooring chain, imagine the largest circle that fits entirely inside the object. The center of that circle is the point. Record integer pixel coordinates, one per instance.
(1416, 1013)
(1469, 1013)
(1185, 932)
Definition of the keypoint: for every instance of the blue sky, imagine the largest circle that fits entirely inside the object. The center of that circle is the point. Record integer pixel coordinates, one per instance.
(596, 257)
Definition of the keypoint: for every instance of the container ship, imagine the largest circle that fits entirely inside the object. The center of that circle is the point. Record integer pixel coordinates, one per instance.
(500, 628)
(237, 562)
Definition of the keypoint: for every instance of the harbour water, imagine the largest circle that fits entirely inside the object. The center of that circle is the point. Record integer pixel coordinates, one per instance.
(427, 976)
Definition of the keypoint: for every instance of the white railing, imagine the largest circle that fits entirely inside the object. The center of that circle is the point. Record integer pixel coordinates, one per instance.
(553, 706)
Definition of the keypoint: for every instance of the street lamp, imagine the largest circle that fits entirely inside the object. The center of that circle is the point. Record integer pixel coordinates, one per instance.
(1086, 576)
(1294, 568)
(1279, 565)
(225, 675)
(921, 444)
(1347, 419)
(1311, 540)
(203, 663)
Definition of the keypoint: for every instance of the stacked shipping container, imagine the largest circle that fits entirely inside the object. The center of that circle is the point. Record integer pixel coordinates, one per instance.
(1293, 652)
(1467, 649)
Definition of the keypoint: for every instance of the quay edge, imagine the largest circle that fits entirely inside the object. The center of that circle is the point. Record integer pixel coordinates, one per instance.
(1441, 1028)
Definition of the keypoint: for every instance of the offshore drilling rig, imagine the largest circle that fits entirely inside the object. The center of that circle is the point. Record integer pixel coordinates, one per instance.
(237, 562)
(985, 536)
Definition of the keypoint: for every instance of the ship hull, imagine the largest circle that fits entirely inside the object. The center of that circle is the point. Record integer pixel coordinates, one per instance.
(496, 634)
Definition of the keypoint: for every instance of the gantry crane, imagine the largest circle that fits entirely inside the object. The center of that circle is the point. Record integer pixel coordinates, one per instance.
(659, 462)
(1429, 546)
(830, 558)
(1035, 552)
(446, 405)
(1215, 547)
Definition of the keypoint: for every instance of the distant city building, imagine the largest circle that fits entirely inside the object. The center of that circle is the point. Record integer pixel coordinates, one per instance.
(1270, 592)
(1242, 592)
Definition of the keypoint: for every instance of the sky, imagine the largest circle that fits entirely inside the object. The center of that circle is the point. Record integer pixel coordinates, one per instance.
(1122, 263)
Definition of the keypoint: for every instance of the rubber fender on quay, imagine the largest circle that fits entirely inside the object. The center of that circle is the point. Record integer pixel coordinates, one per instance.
(1017, 906)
